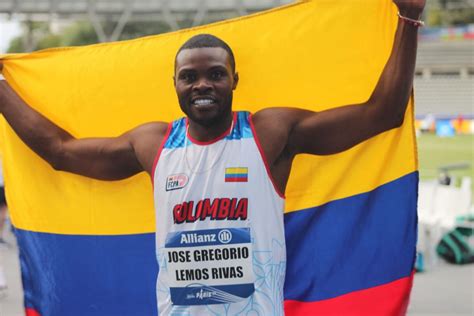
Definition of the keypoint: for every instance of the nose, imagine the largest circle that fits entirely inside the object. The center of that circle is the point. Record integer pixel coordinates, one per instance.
(202, 85)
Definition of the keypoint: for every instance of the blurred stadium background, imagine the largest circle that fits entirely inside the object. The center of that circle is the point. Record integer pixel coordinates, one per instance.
(444, 88)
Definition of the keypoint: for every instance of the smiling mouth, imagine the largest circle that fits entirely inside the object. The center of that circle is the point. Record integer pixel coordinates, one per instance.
(203, 103)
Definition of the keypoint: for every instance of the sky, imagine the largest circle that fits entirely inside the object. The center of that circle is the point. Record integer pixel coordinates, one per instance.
(8, 30)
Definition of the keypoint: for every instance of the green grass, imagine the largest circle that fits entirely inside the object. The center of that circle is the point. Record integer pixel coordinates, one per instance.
(434, 151)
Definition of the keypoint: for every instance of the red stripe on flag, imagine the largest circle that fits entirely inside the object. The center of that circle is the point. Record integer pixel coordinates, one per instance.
(388, 299)
(236, 179)
(31, 312)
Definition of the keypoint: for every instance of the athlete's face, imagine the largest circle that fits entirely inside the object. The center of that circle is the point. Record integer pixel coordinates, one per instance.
(204, 83)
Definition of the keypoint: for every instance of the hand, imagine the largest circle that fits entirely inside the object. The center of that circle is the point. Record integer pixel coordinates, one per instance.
(410, 8)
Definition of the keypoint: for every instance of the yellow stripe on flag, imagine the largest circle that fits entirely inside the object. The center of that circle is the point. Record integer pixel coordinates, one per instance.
(291, 59)
(236, 170)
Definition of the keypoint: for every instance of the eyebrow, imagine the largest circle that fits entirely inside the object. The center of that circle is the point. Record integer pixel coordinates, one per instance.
(186, 70)
(215, 67)
(218, 67)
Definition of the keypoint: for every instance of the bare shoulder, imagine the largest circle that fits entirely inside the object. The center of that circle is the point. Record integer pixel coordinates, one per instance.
(275, 123)
(146, 140)
(279, 117)
(268, 114)
(273, 127)
(150, 129)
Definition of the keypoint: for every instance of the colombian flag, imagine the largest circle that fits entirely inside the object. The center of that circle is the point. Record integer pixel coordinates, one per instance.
(236, 174)
(87, 246)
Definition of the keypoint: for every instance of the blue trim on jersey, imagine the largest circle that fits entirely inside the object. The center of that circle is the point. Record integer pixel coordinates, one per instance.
(242, 127)
(177, 137)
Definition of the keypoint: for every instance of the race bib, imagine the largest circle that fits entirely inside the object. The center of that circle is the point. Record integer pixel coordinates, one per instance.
(212, 266)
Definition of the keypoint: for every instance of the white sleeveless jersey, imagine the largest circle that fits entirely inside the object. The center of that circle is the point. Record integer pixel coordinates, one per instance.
(220, 236)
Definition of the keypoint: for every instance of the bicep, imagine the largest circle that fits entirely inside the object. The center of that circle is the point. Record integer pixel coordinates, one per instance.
(335, 130)
(99, 158)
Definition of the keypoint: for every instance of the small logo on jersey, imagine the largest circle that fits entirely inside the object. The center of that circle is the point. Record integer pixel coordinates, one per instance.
(224, 236)
(176, 181)
(236, 174)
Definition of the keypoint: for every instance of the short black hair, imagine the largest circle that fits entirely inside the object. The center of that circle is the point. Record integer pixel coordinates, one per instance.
(205, 41)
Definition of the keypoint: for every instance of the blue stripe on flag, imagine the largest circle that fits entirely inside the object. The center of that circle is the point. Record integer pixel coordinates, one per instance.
(79, 275)
(353, 243)
(236, 175)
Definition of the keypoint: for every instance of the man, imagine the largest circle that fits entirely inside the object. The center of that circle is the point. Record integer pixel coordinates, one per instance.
(219, 176)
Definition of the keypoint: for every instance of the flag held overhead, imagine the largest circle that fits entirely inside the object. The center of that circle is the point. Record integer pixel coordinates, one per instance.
(87, 246)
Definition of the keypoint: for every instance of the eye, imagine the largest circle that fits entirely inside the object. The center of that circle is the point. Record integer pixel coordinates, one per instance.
(216, 75)
(188, 77)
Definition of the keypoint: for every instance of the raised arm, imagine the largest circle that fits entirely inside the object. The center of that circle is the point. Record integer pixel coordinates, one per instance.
(99, 158)
(285, 132)
(338, 129)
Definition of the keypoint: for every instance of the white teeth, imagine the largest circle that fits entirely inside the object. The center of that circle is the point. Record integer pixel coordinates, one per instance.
(203, 101)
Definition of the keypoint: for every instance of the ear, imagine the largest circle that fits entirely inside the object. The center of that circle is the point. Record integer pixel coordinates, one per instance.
(236, 81)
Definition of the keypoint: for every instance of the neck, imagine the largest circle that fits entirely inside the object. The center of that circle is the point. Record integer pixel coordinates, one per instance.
(205, 133)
